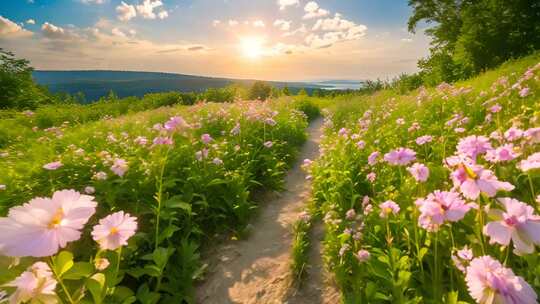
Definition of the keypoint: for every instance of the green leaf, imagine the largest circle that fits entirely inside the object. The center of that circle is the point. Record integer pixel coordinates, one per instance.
(161, 255)
(63, 262)
(78, 271)
(95, 285)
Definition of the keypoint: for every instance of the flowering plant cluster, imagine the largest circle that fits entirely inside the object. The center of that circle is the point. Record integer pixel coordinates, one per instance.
(176, 175)
(432, 197)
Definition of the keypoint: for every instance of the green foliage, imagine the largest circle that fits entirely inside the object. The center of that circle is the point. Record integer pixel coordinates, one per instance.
(472, 36)
(17, 89)
(259, 90)
(300, 247)
(305, 105)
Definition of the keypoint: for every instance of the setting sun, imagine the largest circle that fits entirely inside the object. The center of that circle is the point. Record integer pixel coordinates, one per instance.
(252, 47)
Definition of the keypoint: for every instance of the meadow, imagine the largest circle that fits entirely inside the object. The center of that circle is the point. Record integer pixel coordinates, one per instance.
(429, 196)
(432, 196)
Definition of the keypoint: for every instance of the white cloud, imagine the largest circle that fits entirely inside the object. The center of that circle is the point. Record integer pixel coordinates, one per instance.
(126, 11)
(30, 21)
(146, 8)
(283, 25)
(54, 32)
(407, 40)
(233, 22)
(284, 3)
(163, 14)
(313, 10)
(301, 30)
(216, 23)
(93, 1)
(336, 30)
(9, 28)
(117, 32)
(258, 23)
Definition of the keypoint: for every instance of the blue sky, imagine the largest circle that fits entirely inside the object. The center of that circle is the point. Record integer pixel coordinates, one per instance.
(267, 39)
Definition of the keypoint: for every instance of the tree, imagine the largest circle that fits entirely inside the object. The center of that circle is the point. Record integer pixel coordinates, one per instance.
(259, 90)
(470, 36)
(17, 88)
(286, 91)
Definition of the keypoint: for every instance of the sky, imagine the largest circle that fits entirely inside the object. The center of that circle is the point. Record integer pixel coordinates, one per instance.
(288, 40)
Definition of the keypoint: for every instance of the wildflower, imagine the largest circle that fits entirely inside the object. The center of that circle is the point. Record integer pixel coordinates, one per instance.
(533, 135)
(400, 156)
(43, 225)
(489, 282)
(344, 249)
(513, 134)
(173, 124)
(441, 206)
(517, 223)
(160, 140)
(304, 216)
(343, 132)
(217, 161)
(473, 179)
(459, 130)
(371, 177)
(400, 121)
(532, 162)
(502, 154)
(424, 140)
(361, 144)
(496, 108)
(270, 121)
(89, 190)
(119, 167)
(100, 175)
(53, 166)
(350, 214)
(35, 285)
(236, 130)
(101, 264)
(202, 154)
(419, 171)
(141, 140)
(114, 230)
(372, 158)
(268, 144)
(2, 187)
(363, 255)
(387, 208)
(462, 258)
(524, 92)
(206, 139)
(473, 145)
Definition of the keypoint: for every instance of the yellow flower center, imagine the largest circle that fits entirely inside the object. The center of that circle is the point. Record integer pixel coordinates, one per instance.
(387, 210)
(469, 172)
(114, 230)
(56, 219)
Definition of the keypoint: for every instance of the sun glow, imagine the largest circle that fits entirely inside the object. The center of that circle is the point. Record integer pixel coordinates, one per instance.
(252, 47)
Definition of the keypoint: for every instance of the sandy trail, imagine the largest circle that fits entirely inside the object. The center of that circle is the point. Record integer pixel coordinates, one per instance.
(256, 270)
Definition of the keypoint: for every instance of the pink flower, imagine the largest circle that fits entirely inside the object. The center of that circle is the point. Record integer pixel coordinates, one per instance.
(533, 135)
(343, 132)
(35, 285)
(174, 123)
(114, 230)
(89, 190)
(495, 108)
(424, 140)
(361, 144)
(524, 92)
(400, 156)
(43, 225)
(206, 139)
(236, 130)
(462, 258)
(532, 162)
(200, 155)
(371, 177)
(387, 208)
(372, 158)
(473, 179)
(473, 145)
(441, 206)
(502, 154)
(517, 223)
(268, 144)
(101, 263)
(160, 140)
(489, 282)
(53, 166)
(218, 162)
(419, 171)
(141, 140)
(100, 175)
(513, 134)
(350, 214)
(363, 256)
(119, 167)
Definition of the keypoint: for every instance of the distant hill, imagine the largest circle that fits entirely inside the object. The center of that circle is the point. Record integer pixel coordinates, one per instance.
(95, 84)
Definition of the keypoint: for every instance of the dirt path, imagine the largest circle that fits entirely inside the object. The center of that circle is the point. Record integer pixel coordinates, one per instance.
(256, 270)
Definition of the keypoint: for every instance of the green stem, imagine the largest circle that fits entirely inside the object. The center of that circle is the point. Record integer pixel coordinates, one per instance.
(531, 185)
(159, 198)
(437, 283)
(64, 288)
